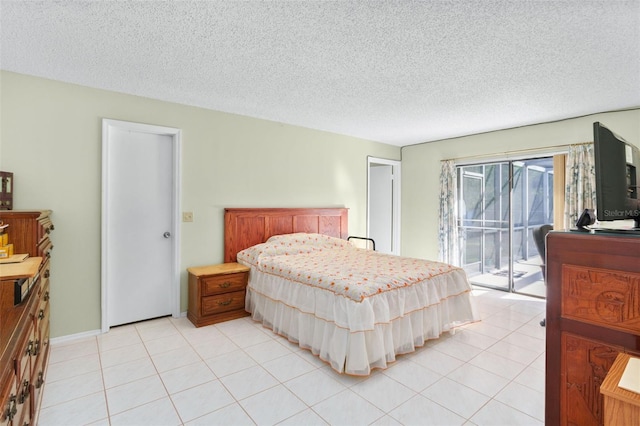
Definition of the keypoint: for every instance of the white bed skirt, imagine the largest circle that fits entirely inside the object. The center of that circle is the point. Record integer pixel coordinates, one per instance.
(355, 337)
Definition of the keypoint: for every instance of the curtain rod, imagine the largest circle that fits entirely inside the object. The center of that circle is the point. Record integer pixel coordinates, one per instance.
(557, 149)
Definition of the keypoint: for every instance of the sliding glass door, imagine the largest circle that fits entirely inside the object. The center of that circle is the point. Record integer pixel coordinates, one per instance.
(501, 203)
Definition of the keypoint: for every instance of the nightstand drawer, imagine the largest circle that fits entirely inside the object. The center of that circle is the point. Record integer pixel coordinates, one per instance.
(224, 283)
(223, 303)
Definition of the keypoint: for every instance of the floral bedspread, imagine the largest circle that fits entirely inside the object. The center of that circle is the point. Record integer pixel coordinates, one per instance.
(336, 265)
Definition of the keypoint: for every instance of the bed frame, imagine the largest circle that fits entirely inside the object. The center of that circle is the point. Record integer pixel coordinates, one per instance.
(246, 227)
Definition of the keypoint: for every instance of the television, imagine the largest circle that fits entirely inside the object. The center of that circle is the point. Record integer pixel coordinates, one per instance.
(617, 169)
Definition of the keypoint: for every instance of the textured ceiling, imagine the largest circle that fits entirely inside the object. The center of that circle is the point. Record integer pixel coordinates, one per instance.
(399, 72)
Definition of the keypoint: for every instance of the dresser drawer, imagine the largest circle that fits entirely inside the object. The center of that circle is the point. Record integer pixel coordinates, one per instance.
(223, 303)
(42, 324)
(8, 400)
(45, 226)
(45, 269)
(44, 248)
(23, 378)
(40, 362)
(603, 297)
(26, 349)
(223, 283)
(43, 295)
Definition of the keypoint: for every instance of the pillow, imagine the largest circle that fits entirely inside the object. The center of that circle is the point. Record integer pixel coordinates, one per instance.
(289, 244)
(304, 240)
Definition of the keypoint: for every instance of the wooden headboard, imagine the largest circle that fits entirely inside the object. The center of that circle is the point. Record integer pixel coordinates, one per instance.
(246, 227)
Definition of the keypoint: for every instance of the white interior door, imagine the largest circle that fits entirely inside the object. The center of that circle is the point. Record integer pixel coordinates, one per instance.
(381, 206)
(139, 264)
(383, 210)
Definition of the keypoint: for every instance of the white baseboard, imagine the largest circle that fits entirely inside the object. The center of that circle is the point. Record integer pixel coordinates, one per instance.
(72, 337)
(85, 334)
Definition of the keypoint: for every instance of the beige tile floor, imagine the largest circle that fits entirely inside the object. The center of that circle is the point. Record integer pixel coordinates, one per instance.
(166, 372)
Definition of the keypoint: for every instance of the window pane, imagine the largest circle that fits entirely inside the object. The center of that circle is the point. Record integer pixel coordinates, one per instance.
(471, 208)
(536, 196)
(518, 198)
(472, 251)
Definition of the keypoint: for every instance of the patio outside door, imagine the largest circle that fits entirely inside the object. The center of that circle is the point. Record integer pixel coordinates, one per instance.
(500, 205)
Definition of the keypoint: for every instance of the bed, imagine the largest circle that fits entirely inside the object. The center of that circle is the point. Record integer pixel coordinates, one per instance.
(356, 309)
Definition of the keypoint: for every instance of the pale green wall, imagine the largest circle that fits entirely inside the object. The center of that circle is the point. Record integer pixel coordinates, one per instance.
(51, 139)
(421, 167)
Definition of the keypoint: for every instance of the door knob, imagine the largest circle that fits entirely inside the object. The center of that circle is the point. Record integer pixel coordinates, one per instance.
(166, 234)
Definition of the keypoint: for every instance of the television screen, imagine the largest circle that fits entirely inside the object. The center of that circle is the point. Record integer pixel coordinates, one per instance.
(617, 168)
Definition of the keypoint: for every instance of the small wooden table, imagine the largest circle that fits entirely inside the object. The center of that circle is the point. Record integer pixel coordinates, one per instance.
(621, 406)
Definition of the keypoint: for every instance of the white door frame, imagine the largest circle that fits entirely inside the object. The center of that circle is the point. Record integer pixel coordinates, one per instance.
(396, 197)
(107, 126)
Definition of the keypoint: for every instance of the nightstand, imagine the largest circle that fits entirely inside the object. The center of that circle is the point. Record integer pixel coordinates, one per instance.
(621, 406)
(216, 293)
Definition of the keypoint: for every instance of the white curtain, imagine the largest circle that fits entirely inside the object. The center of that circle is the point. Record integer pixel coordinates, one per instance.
(448, 229)
(580, 182)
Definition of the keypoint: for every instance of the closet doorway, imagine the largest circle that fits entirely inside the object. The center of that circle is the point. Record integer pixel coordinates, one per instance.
(140, 194)
(501, 203)
(383, 204)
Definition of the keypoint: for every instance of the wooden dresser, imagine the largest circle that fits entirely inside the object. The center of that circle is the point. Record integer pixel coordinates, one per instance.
(593, 314)
(216, 293)
(24, 326)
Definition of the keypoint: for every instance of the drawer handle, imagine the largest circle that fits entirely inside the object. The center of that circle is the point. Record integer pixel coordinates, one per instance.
(225, 302)
(46, 296)
(40, 380)
(41, 314)
(12, 410)
(29, 350)
(36, 348)
(47, 273)
(225, 284)
(25, 392)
